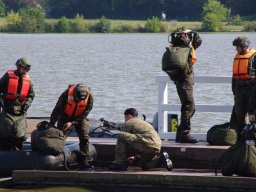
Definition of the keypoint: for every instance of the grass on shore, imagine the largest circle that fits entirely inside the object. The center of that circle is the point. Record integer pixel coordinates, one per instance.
(171, 24)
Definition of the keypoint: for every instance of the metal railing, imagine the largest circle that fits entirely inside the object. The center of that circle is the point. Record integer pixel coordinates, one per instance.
(164, 107)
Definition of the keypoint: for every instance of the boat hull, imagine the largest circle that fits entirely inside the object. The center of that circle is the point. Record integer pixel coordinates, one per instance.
(33, 160)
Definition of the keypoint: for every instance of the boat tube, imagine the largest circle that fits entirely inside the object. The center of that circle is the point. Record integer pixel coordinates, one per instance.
(34, 160)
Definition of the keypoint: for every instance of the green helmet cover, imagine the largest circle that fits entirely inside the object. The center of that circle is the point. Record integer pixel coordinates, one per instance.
(24, 62)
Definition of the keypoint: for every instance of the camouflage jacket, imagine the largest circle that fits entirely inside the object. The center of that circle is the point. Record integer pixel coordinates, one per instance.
(144, 131)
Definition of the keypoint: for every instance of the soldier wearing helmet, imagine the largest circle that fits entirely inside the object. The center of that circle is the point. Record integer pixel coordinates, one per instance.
(71, 110)
(17, 94)
(23, 62)
(177, 62)
(243, 81)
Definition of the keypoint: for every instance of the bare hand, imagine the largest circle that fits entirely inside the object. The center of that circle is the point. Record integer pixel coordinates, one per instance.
(67, 126)
(130, 160)
(252, 118)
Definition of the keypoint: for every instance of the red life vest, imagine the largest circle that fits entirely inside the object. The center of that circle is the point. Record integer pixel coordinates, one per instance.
(75, 108)
(242, 68)
(12, 89)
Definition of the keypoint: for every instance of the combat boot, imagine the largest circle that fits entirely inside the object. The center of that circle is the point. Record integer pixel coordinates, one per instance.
(117, 167)
(83, 162)
(177, 138)
(166, 161)
(187, 138)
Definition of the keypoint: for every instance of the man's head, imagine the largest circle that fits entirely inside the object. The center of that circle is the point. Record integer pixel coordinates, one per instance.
(130, 113)
(23, 62)
(242, 44)
(81, 91)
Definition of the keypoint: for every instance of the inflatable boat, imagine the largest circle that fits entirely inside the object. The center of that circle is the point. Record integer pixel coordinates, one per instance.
(34, 160)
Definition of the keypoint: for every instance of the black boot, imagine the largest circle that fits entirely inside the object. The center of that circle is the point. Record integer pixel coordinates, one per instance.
(117, 167)
(166, 161)
(187, 138)
(83, 162)
(177, 138)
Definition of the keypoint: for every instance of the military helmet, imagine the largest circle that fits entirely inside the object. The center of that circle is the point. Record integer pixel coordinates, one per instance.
(81, 91)
(24, 62)
(241, 41)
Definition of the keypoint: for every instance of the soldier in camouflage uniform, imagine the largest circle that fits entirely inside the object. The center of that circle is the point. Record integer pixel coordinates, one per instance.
(17, 94)
(184, 85)
(72, 109)
(139, 138)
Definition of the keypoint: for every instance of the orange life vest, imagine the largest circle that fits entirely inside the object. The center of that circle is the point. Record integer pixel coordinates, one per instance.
(12, 89)
(242, 68)
(193, 54)
(74, 108)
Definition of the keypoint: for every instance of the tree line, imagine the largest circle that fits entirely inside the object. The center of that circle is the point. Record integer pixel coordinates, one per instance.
(128, 9)
(32, 17)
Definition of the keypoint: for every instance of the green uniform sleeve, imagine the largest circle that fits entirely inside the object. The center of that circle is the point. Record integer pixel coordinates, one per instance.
(59, 107)
(3, 83)
(31, 95)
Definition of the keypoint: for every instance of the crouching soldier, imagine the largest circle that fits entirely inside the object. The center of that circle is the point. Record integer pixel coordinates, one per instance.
(142, 142)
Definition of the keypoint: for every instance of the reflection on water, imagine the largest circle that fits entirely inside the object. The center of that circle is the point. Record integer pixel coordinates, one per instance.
(119, 68)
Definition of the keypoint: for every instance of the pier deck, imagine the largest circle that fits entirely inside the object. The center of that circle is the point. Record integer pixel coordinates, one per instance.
(194, 170)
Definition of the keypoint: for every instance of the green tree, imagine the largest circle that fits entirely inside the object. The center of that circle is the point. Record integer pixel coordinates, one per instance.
(79, 25)
(214, 14)
(104, 25)
(153, 25)
(63, 25)
(236, 20)
(13, 21)
(2, 8)
(32, 20)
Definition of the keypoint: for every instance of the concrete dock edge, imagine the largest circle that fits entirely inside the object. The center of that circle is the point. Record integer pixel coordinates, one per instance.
(159, 180)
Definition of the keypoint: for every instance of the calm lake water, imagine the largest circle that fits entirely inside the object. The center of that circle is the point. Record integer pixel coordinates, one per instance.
(119, 68)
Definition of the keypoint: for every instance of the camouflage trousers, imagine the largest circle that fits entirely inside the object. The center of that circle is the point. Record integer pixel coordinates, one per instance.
(132, 145)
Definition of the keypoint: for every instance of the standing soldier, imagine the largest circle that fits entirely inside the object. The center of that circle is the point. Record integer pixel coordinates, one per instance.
(142, 141)
(17, 94)
(177, 62)
(243, 81)
(72, 109)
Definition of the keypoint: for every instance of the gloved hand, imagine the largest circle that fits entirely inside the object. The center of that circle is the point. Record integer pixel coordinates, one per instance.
(24, 108)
